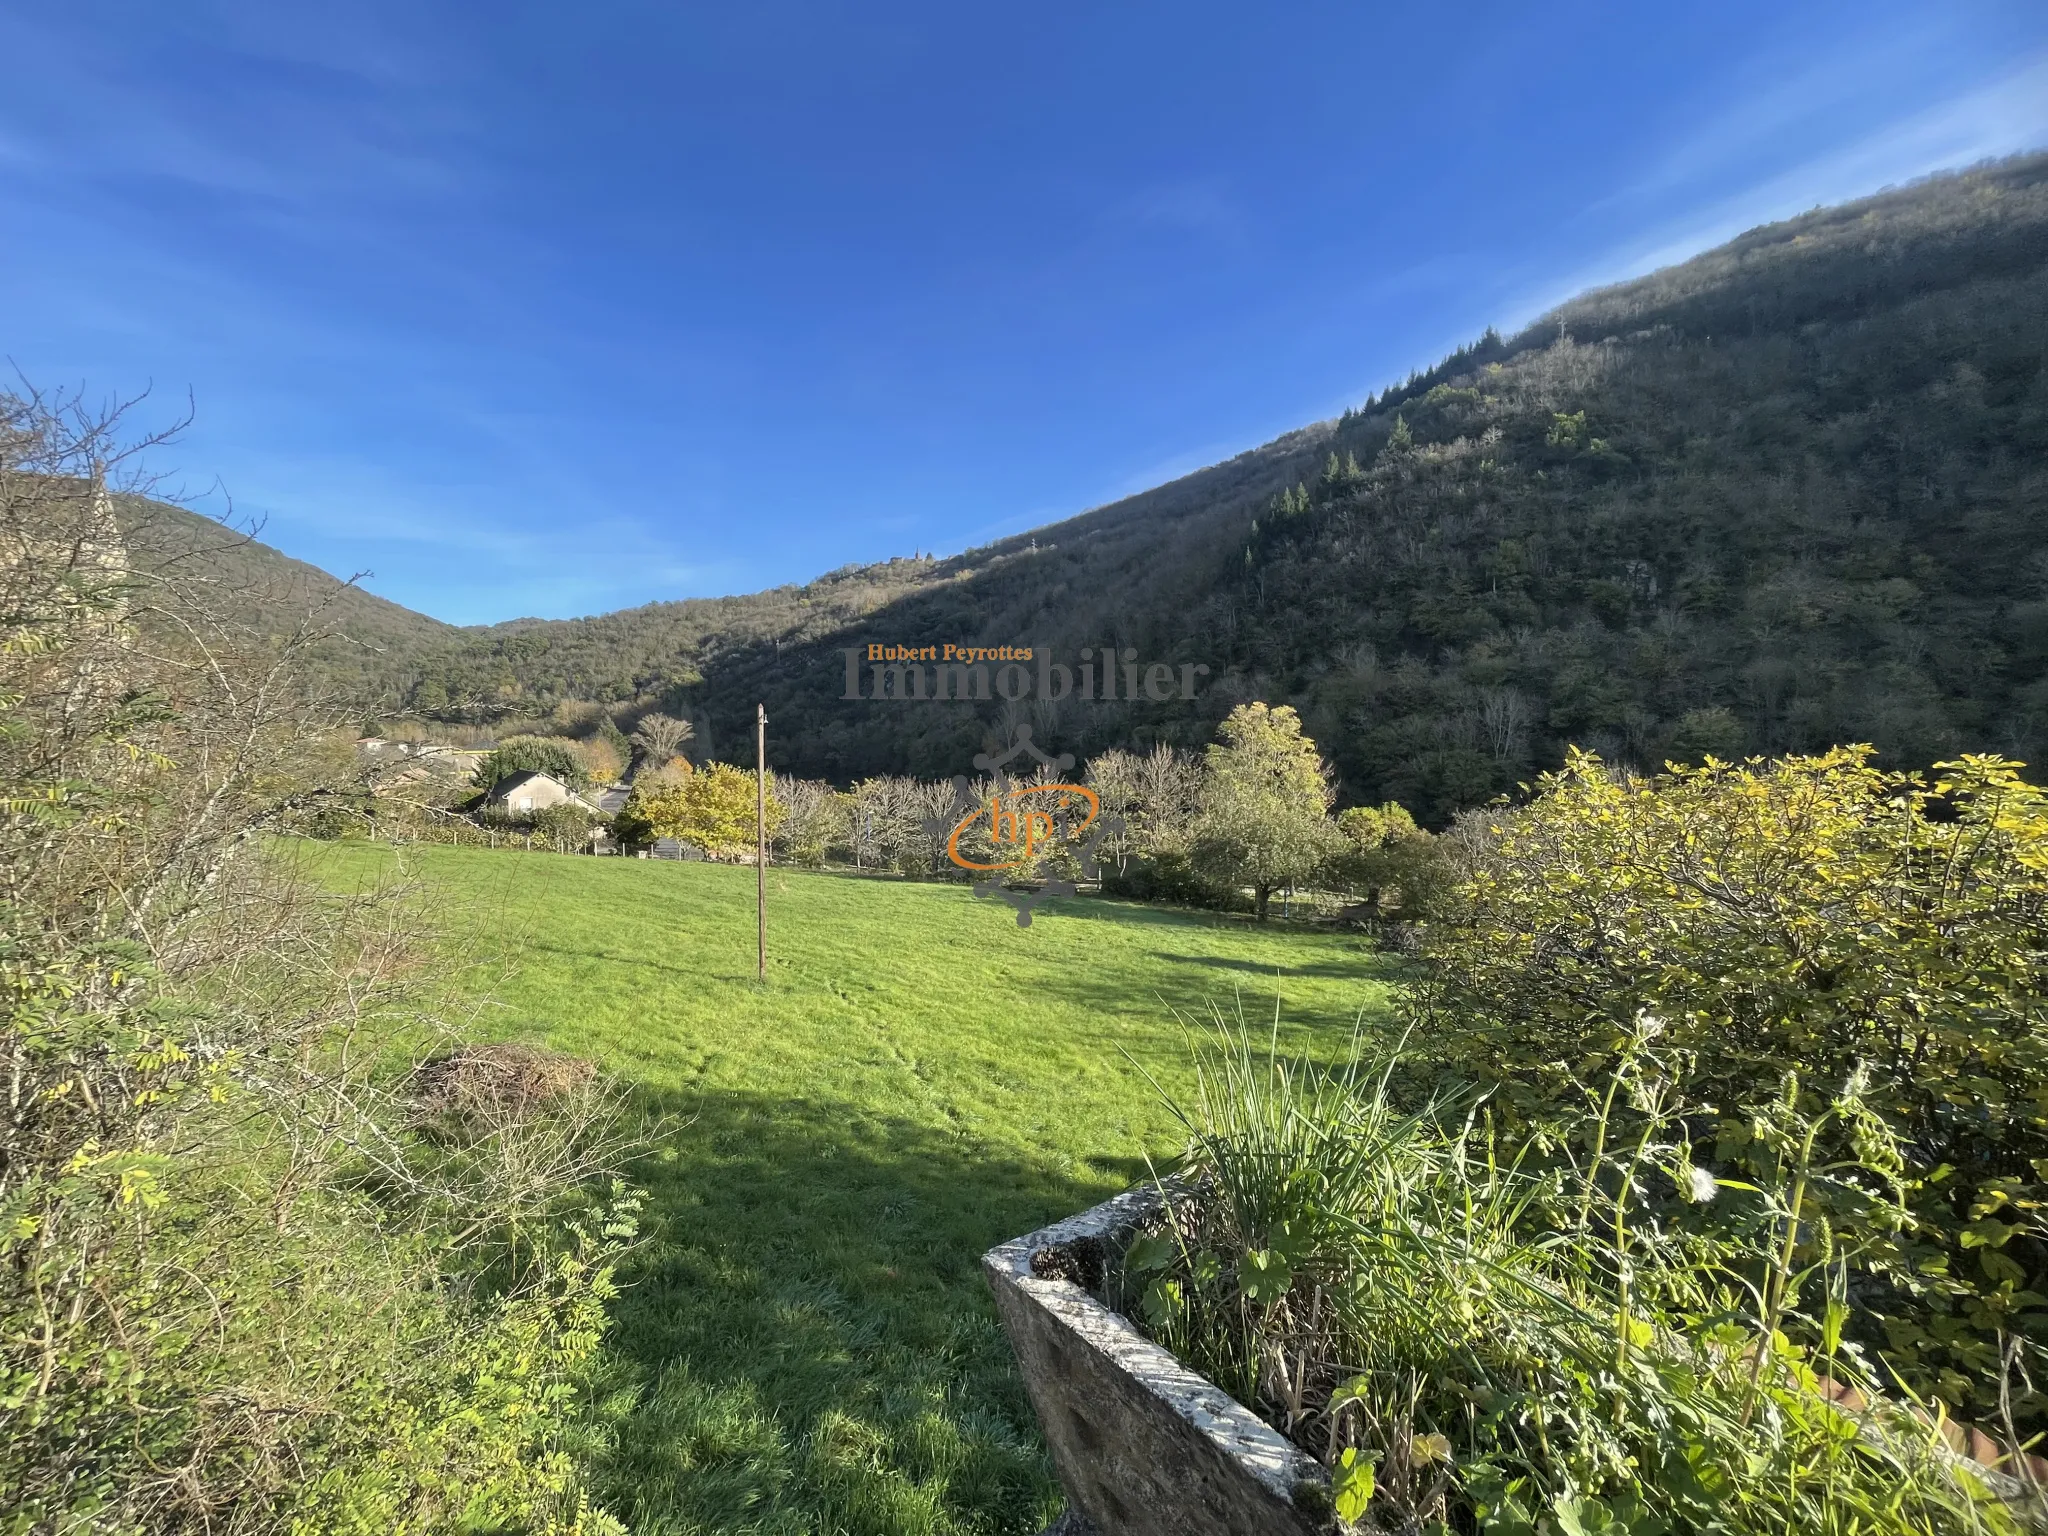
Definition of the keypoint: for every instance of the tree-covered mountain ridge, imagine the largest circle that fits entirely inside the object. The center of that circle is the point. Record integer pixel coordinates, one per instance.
(1787, 493)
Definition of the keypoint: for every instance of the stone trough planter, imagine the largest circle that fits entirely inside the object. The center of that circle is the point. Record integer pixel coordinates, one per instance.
(1143, 1446)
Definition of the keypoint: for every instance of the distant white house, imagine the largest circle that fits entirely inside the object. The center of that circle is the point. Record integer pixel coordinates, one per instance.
(531, 790)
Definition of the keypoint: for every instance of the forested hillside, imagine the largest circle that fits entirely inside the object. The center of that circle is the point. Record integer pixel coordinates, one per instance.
(1791, 493)
(359, 642)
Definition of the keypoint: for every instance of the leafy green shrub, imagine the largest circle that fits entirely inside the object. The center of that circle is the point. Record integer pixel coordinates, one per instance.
(555, 756)
(1171, 877)
(631, 826)
(1472, 1334)
(1391, 862)
(1810, 917)
(565, 827)
(334, 819)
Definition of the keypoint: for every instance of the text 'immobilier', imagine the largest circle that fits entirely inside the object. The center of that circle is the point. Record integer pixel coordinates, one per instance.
(899, 672)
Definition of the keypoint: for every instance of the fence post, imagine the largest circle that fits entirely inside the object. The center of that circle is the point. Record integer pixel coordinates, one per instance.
(761, 841)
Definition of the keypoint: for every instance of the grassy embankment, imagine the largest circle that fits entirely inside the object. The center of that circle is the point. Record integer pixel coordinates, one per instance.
(807, 1341)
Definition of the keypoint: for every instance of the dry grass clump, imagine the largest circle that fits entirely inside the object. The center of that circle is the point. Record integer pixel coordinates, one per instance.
(492, 1082)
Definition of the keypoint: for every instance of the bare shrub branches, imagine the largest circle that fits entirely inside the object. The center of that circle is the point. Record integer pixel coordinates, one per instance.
(238, 1271)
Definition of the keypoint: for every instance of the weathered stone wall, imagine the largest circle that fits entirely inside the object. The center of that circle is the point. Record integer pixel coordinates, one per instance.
(1143, 1446)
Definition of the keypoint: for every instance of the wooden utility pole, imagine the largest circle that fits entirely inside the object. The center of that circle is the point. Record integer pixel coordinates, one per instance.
(761, 840)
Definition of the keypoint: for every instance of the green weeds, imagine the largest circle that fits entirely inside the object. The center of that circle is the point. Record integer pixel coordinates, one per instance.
(1574, 1336)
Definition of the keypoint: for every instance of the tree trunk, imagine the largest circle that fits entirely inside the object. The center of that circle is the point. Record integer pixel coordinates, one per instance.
(1261, 894)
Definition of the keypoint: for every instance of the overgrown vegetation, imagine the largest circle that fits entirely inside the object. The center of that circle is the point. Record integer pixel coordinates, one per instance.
(1475, 1333)
(1811, 917)
(1749, 1093)
(248, 1281)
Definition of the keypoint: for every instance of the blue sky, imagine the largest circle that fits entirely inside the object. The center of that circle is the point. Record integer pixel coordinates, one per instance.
(553, 310)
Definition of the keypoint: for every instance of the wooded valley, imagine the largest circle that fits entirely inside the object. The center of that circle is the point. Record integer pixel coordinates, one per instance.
(1784, 495)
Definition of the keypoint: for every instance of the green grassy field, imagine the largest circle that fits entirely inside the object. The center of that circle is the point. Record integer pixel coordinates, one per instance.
(806, 1344)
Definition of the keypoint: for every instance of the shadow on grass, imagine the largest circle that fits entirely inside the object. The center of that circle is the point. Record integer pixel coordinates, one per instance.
(807, 1336)
(1126, 1171)
(1126, 909)
(1173, 986)
(1364, 967)
(1115, 909)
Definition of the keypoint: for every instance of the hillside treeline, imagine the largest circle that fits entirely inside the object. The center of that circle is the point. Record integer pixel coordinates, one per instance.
(1764, 520)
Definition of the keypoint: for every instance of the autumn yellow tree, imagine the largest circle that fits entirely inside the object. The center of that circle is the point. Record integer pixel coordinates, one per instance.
(712, 808)
(601, 761)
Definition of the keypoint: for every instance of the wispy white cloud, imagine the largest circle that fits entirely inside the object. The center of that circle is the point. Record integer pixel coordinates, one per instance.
(2007, 116)
(1795, 103)
(95, 108)
(1196, 205)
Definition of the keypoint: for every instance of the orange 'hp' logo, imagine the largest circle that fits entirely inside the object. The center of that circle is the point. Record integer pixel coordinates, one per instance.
(1020, 824)
(1026, 828)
